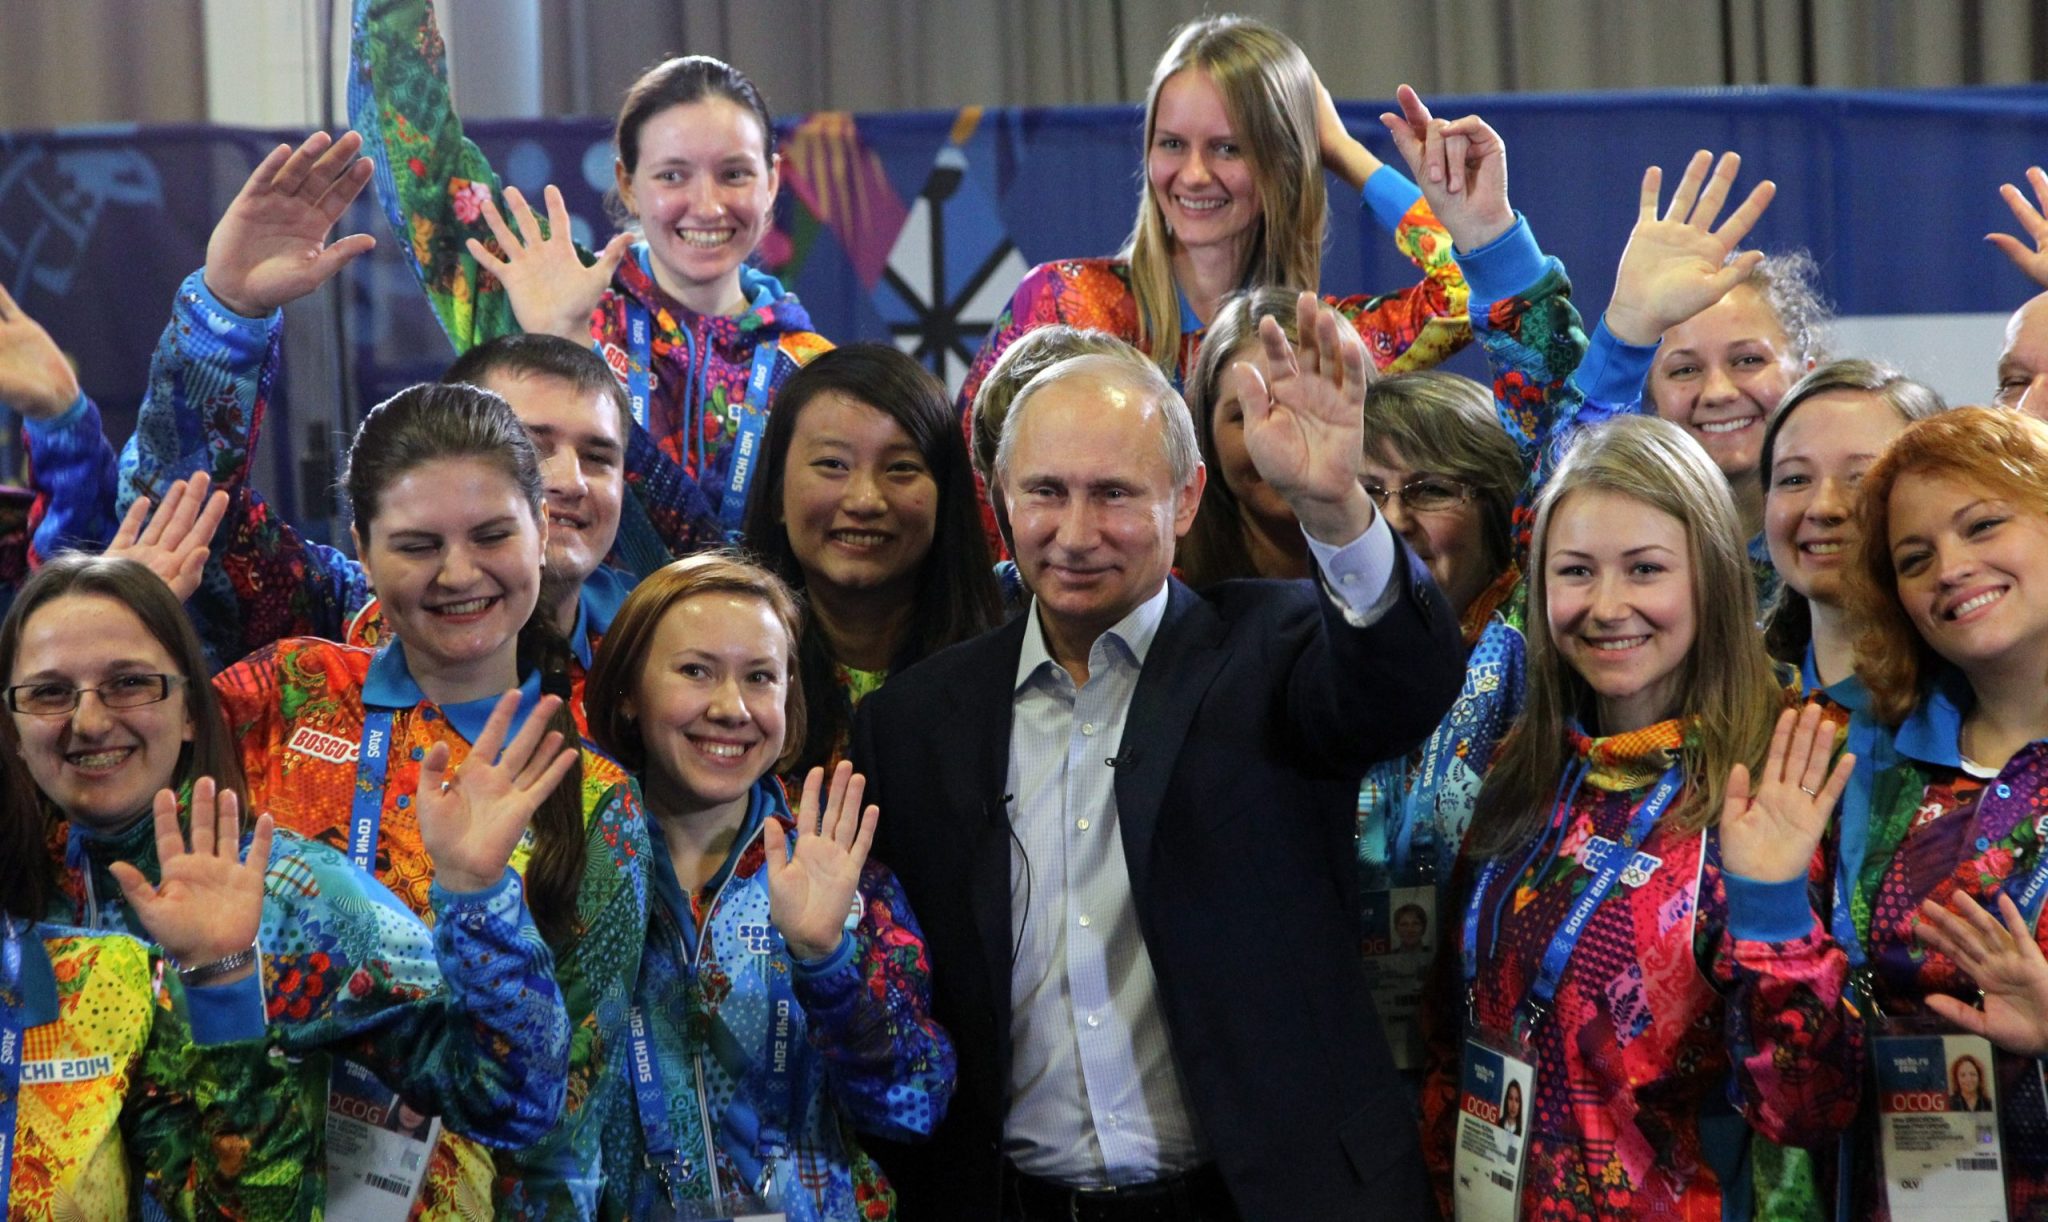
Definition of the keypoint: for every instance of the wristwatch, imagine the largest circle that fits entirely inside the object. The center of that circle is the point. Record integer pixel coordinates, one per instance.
(207, 973)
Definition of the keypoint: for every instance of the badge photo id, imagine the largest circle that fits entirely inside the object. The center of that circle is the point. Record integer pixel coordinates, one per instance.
(1496, 1095)
(1397, 943)
(1937, 1115)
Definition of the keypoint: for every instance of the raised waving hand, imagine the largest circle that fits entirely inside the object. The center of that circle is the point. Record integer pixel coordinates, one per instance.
(1304, 419)
(208, 902)
(2005, 961)
(271, 247)
(811, 889)
(2033, 220)
(35, 379)
(551, 290)
(471, 816)
(1461, 166)
(173, 537)
(1770, 831)
(1676, 263)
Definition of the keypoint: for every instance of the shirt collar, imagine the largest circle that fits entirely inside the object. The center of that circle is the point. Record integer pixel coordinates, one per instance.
(1134, 632)
(390, 685)
(1933, 732)
(597, 605)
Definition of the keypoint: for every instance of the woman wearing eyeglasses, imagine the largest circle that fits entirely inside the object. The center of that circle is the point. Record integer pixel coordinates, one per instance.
(109, 711)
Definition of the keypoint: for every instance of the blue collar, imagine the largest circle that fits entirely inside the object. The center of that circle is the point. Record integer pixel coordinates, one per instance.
(1190, 322)
(1932, 732)
(604, 592)
(390, 685)
(1849, 693)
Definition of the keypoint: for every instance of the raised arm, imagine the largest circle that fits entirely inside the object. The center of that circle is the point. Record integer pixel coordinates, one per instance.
(1795, 1042)
(71, 463)
(431, 180)
(210, 383)
(866, 991)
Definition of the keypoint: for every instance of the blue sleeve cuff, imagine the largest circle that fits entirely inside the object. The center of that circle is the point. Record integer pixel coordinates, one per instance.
(1768, 912)
(837, 958)
(227, 1013)
(71, 418)
(1509, 264)
(1388, 195)
(447, 902)
(1613, 373)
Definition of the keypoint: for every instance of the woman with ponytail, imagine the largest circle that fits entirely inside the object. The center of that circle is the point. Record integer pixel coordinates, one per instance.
(446, 491)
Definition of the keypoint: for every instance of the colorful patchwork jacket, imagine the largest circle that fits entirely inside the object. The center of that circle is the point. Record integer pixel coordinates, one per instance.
(210, 381)
(1917, 824)
(1415, 328)
(865, 1052)
(1413, 812)
(136, 1089)
(1689, 989)
(298, 709)
(431, 181)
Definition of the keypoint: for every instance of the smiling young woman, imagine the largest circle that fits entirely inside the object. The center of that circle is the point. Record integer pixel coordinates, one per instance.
(1619, 828)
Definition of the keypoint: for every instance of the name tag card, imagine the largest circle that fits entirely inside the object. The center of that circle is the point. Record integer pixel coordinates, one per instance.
(1495, 1094)
(1397, 944)
(377, 1148)
(1938, 1128)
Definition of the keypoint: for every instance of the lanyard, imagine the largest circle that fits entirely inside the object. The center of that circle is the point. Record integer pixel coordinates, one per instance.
(777, 1113)
(1420, 801)
(753, 421)
(28, 998)
(1607, 871)
(372, 761)
(751, 412)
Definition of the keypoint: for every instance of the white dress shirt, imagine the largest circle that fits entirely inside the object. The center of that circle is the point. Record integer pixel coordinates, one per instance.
(1095, 1096)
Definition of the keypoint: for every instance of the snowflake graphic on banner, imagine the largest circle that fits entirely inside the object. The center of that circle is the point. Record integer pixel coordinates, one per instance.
(951, 271)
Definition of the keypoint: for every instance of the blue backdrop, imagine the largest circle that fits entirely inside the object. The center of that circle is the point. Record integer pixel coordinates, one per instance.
(1892, 192)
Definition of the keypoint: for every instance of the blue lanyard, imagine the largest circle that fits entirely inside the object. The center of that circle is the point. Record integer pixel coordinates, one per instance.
(651, 1101)
(1439, 753)
(1606, 872)
(640, 369)
(778, 1105)
(28, 998)
(753, 422)
(752, 410)
(372, 761)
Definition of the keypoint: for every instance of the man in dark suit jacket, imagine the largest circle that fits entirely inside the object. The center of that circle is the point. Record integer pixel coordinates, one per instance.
(1125, 820)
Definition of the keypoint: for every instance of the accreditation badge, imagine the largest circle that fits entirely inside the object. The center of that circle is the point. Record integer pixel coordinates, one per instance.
(1397, 945)
(1937, 1115)
(1496, 1098)
(377, 1148)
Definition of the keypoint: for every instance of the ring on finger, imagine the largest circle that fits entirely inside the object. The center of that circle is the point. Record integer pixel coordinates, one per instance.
(1811, 793)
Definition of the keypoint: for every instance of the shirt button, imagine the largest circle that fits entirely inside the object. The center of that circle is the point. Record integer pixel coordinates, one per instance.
(2005, 791)
(1349, 579)
(1088, 727)
(417, 753)
(1084, 920)
(1983, 845)
(404, 800)
(1094, 1020)
(1082, 824)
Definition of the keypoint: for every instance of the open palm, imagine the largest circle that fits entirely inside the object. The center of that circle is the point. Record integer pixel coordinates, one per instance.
(1304, 418)
(2006, 962)
(471, 817)
(173, 537)
(2033, 218)
(208, 902)
(271, 247)
(811, 888)
(35, 379)
(1676, 264)
(1770, 835)
(550, 289)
